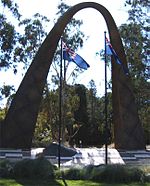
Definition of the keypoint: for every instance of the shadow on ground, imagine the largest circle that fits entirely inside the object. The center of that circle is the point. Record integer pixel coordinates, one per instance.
(39, 183)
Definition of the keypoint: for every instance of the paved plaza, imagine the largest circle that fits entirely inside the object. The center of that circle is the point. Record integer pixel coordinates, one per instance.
(83, 156)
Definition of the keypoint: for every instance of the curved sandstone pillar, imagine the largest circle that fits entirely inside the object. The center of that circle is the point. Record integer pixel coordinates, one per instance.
(18, 127)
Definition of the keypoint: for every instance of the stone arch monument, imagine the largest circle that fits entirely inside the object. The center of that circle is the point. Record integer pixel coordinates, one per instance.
(18, 127)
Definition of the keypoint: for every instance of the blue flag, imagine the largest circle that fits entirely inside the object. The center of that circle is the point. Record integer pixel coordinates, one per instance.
(70, 55)
(111, 51)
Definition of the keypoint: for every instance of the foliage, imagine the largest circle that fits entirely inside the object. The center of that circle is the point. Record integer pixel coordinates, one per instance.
(8, 34)
(47, 121)
(48, 118)
(6, 169)
(17, 47)
(71, 32)
(32, 38)
(8, 41)
(92, 99)
(136, 49)
(7, 90)
(13, 7)
(117, 174)
(138, 10)
(73, 174)
(2, 114)
(34, 169)
(79, 124)
(81, 114)
(109, 174)
(81, 117)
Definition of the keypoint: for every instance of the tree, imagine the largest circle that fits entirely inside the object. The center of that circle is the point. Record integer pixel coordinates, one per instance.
(72, 34)
(12, 7)
(81, 114)
(96, 110)
(135, 38)
(32, 38)
(81, 117)
(20, 48)
(48, 119)
(8, 36)
(8, 43)
(92, 95)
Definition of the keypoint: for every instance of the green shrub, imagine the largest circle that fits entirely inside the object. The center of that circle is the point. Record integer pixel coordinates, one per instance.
(72, 174)
(23, 169)
(87, 171)
(96, 173)
(146, 170)
(114, 173)
(58, 174)
(136, 175)
(34, 169)
(43, 168)
(147, 178)
(117, 174)
(6, 169)
(105, 173)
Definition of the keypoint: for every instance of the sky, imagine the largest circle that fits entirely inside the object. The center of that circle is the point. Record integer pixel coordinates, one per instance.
(93, 27)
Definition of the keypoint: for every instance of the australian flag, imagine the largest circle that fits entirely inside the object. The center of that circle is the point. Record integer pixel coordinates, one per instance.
(111, 51)
(70, 55)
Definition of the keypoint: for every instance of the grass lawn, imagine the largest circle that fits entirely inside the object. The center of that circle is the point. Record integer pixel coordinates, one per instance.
(12, 182)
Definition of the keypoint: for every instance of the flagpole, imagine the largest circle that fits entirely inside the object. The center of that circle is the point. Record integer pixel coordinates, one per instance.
(106, 124)
(60, 106)
(63, 99)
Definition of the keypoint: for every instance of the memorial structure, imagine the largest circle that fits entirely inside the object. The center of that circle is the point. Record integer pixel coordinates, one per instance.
(18, 127)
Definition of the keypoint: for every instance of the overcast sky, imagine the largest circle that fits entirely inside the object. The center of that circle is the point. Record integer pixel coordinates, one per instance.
(93, 26)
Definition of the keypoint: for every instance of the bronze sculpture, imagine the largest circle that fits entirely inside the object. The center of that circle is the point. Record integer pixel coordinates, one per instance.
(18, 127)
